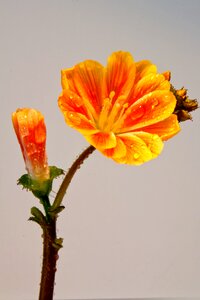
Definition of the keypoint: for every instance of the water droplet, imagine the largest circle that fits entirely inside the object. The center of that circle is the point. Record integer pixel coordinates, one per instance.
(152, 77)
(74, 118)
(137, 112)
(24, 130)
(155, 102)
(35, 159)
(136, 155)
(31, 148)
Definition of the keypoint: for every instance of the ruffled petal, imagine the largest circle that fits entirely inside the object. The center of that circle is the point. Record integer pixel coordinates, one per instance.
(165, 129)
(120, 74)
(140, 148)
(143, 68)
(86, 80)
(147, 84)
(75, 113)
(118, 151)
(152, 141)
(102, 140)
(150, 109)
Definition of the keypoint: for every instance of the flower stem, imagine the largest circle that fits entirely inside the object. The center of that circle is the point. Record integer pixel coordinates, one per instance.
(68, 177)
(51, 244)
(50, 256)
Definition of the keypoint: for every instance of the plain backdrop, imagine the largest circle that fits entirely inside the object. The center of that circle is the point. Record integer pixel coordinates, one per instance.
(128, 231)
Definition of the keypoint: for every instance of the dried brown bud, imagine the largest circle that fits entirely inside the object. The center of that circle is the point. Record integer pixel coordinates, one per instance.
(184, 105)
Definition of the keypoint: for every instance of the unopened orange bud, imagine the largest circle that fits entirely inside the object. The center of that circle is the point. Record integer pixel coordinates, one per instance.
(31, 133)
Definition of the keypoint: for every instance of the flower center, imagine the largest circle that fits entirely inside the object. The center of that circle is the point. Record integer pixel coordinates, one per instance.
(110, 118)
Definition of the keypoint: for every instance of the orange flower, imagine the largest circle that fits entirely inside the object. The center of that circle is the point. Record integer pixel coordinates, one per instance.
(125, 110)
(31, 133)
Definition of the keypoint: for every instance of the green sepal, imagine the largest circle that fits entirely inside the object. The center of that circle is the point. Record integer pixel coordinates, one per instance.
(58, 243)
(55, 172)
(40, 188)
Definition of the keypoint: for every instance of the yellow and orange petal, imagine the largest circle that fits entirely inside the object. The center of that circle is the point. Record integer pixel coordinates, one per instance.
(147, 84)
(140, 147)
(120, 74)
(165, 129)
(125, 109)
(152, 108)
(84, 80)
(143, 68)
(30, 129)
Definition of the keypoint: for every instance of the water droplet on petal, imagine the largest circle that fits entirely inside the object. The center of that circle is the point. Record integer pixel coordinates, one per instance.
(136, 155)
(31, 148)
(24, 130)
(155, 103)
(74, 118)
(152, 77)
(155, 137)
(137, 112)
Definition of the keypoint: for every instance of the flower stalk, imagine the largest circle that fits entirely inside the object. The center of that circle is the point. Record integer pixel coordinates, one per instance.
(50, 257)
(52, 244)
(75, 166)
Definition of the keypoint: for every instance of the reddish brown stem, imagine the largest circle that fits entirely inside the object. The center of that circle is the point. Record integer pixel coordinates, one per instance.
(50, 243)
(50, 257)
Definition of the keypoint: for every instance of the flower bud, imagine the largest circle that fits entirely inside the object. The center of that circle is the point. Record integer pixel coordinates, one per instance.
(31, 133)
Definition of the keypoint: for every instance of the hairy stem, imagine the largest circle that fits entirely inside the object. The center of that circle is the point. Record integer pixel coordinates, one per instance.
(51, 244)
(50, 256)
(68, 177)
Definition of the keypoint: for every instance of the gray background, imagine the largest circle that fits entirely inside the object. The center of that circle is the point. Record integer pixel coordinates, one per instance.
(128, 231)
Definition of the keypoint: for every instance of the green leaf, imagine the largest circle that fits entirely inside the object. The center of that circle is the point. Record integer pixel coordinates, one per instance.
(38, 214)
(34, 220)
